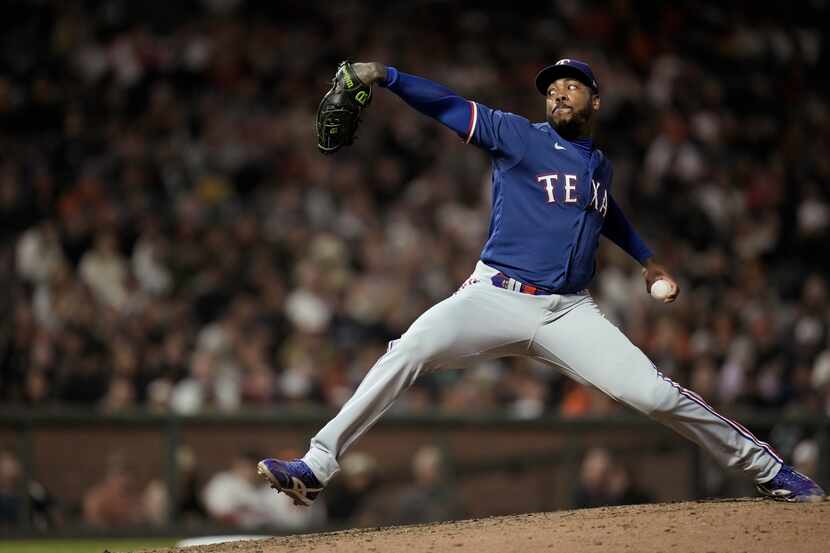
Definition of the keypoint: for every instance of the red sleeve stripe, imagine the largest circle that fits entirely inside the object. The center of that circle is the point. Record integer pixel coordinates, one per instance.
(473, 120)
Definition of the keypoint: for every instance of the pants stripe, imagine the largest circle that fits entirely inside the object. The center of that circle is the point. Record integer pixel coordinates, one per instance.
(739, 428)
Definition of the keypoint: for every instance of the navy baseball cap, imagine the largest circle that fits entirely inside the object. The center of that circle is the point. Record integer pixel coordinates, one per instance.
(567, 67)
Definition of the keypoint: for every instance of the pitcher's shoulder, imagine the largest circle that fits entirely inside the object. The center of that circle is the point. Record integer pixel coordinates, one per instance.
(543, 126)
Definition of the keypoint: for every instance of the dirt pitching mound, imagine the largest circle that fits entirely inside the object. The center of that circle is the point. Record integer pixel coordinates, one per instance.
(723, 526)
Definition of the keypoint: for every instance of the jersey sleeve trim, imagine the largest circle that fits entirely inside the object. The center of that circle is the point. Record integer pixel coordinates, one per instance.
(473, 121)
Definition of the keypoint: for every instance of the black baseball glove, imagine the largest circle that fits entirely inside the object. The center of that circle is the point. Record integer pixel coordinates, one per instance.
(339, 113)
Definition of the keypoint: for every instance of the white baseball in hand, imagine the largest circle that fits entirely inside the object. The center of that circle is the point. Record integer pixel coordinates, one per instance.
(660, 289)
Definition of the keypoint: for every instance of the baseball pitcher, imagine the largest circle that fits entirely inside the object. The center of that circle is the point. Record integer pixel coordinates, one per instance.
(553, 198)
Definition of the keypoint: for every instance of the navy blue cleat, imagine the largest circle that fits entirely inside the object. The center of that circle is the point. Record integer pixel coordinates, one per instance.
(293, 478)
(791, 485)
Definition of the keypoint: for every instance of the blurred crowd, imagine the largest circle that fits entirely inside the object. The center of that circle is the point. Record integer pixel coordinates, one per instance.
(235, 497)
(172, 240)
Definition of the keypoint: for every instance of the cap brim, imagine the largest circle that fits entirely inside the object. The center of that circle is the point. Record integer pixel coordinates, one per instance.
(553, 72)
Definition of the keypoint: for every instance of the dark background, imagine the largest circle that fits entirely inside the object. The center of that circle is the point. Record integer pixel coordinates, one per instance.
(171, 240)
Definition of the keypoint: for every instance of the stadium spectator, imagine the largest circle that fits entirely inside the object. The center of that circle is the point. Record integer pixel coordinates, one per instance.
(238, 497)
(232, 496)
(115, 500)
(353, 491)
(43, 513)
(11, 504)
(592, 488)
(604, 480)
(430, 497)
(191, 507)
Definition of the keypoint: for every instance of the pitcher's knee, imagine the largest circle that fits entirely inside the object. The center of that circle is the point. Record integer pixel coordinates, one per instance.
(640, 401)
(653, 400)
(651, 396)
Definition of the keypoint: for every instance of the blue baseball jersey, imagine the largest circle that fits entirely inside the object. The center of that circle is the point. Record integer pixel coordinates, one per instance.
(551, 197)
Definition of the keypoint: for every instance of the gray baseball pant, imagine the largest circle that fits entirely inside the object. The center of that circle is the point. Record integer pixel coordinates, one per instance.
(565, 331)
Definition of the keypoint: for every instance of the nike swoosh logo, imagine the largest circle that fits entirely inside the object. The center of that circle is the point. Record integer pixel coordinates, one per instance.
(557, 146)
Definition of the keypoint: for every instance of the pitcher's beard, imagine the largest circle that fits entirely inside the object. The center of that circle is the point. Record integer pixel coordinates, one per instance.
(569, 130)
(575, 127)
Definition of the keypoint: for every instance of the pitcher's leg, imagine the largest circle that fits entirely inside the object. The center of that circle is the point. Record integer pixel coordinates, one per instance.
(585, 344)
(480, 320)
